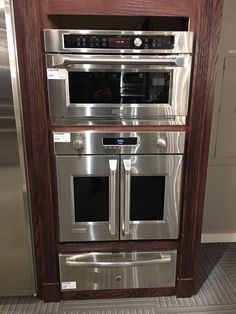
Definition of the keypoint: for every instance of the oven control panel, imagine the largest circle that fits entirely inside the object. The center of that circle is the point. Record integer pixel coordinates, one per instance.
(119, 41)
(92, 143)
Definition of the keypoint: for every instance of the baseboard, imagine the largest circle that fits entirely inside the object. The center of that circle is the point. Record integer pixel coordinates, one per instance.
(218, 237)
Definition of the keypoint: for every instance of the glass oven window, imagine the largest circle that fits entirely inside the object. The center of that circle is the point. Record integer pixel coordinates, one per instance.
(146, 87)
(116, 87)
(91, 199)
(147, 198)
(94, 87)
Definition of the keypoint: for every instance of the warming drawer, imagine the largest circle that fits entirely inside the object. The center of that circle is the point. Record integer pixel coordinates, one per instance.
(124, 270)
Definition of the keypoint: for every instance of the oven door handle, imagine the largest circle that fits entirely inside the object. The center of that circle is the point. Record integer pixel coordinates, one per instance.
(112, 197)
(74, 261)
(127, 166)
(137, 60)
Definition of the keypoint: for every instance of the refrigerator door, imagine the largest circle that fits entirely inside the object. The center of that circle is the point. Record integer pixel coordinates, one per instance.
(16, 262)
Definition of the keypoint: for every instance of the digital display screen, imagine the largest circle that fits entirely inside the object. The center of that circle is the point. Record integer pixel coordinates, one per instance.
(119, 42)
(119, 141)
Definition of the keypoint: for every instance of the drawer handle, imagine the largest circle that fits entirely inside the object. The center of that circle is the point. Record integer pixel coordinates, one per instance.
(73, 261)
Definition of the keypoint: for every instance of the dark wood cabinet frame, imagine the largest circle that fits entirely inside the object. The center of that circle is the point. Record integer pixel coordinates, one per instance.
(31, 17)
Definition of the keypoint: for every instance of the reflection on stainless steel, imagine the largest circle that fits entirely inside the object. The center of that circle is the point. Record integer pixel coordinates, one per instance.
(143, 157)
(165, 72)
(98, 271)
(7, 116)
(177, 120)
(14, 204)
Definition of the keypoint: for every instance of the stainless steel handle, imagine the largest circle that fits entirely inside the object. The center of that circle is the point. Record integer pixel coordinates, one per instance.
(127, 166)
(102, 60)
(112, 196)
(73, 261)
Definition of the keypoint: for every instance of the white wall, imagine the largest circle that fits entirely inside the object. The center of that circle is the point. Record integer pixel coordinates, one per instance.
(220, 202)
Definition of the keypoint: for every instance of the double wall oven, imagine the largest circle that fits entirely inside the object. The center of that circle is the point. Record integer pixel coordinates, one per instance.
(118, 185)
(118, 77)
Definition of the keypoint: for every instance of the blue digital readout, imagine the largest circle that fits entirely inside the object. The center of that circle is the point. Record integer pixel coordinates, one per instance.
(120, 141)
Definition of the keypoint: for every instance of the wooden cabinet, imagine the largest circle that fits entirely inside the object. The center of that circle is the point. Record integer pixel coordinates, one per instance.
(31, 17)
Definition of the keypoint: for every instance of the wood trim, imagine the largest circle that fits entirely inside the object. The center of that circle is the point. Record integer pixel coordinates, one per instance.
(185, 287)
(117, 293)
(117, 246)
(121, 7)
(208, 21)
(51, 291)
(29, 22)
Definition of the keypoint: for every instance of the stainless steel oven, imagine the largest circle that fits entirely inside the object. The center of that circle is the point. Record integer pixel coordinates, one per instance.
(120, 77)
(118, 186)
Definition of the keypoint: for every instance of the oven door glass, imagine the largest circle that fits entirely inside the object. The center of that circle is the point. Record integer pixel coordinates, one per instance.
(88, 197)
(150, 192)
(147, 197)
(120, 87)
(91, 198)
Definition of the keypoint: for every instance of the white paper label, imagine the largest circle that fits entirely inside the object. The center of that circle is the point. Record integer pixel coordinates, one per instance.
(55, 74)
(67, 285)
(61, 137)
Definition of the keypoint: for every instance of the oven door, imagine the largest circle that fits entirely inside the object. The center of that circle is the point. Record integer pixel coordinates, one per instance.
(88, 195)
(150, 193)
(127, 87)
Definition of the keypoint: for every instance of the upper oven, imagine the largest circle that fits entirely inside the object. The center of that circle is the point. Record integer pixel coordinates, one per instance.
(118, 77)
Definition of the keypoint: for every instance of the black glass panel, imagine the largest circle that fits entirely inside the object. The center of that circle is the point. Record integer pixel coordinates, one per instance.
(146, 88)
(91, 199)
(147, 198)
(112, 87)
(94, 87)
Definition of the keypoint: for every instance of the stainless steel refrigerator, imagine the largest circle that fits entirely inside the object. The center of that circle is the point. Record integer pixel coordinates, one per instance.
(16, 251)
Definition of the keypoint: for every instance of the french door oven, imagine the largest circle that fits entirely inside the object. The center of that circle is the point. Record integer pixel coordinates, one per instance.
(118, 186)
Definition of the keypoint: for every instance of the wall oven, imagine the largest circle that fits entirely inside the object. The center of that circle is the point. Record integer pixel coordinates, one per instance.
(118, 186)
(121, 77)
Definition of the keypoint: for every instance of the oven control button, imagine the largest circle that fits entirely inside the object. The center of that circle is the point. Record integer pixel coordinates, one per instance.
(78, 143)
(137, 42)
(161, 142)
(118, 278)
